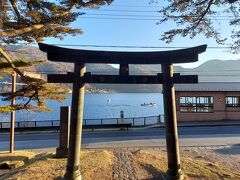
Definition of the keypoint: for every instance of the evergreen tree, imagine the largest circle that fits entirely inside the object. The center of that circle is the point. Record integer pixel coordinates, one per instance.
(28, 92)
(32, 21)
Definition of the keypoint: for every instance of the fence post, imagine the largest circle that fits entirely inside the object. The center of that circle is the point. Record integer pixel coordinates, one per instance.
(35, 123)
(101, 121)
(144, 121)
(62, 150)
(133, 122)
(85, 121)
(117, 120)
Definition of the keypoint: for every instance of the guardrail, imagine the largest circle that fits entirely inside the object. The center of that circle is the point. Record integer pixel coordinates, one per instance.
(135, 122)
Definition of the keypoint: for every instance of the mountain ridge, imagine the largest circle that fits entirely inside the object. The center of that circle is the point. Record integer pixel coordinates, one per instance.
(210, 71)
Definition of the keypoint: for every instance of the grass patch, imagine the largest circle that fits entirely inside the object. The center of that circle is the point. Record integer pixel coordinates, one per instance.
(98, 164)
(192, 168)
(93, 163)
(17, 156)
(150, 165)
(11, 162)
(200, 169)
(28, 161)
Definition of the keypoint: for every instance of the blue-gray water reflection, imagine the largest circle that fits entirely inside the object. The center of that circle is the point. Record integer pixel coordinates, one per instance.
(101, 106)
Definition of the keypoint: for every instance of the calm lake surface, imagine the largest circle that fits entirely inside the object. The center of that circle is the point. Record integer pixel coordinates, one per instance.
(100, 106)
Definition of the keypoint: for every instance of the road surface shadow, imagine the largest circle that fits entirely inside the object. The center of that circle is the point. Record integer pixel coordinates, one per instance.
(234, 149)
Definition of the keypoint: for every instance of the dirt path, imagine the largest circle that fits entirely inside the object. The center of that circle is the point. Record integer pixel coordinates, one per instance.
(124, 167)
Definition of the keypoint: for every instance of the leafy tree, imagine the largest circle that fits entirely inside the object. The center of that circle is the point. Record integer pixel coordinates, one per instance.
(28, 92)
(33, 21)
(194, 17)
(5, 68)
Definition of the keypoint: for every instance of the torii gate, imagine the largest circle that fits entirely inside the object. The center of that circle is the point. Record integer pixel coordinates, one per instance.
(79, 77)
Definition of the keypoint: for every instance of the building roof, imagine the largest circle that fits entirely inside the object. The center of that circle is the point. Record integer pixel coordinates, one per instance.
(209, 86)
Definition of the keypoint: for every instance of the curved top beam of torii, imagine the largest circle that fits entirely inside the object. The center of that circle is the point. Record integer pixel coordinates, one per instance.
(60, 54)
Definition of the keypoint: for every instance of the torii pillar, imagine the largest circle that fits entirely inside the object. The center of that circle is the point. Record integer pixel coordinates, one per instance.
(73, 169)
(174, 168)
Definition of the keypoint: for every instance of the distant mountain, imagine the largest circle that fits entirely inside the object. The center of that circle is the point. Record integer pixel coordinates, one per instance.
(33, 53)
(210, 71)
(215, 71)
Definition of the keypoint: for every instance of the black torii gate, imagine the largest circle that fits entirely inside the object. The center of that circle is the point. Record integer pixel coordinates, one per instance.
(79, 77)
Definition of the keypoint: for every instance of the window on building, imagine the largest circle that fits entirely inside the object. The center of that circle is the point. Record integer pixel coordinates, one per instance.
(196, 104)
(232, 101)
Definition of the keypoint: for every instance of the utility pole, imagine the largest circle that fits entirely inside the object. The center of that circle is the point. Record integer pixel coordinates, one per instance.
(14, 77)
(1, 13)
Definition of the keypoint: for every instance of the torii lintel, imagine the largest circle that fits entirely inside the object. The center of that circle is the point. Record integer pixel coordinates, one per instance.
(60, 54)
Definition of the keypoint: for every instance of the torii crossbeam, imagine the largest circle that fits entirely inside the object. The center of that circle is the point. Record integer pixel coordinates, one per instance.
(79, 77)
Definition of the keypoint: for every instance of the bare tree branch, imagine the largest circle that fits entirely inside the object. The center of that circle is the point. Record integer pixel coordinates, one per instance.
(15, 32)
(13, 3)
(203, 15)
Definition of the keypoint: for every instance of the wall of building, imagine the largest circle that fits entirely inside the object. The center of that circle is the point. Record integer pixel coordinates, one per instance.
(220, 111)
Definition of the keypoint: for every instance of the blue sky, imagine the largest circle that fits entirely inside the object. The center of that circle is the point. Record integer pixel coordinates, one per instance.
(104, 26)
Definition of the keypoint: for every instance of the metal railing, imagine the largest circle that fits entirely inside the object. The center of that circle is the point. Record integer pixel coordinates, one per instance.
(135, 121)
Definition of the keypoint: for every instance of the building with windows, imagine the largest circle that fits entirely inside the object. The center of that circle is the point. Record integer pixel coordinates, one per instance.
(208, 101)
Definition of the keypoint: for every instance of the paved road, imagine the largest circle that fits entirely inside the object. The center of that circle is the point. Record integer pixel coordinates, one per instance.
(193, 136)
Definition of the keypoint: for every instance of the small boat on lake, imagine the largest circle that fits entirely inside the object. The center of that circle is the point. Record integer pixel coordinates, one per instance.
(149, 104)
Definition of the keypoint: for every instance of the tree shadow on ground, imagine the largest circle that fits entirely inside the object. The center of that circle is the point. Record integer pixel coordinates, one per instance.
(14, 158)
(59, 178)
(156, 173)
(9, 174)
(234, 149)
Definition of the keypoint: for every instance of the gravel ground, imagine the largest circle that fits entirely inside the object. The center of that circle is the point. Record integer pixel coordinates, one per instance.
(124, 167)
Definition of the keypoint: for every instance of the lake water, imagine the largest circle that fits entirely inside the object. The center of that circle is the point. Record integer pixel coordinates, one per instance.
(101, 106)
